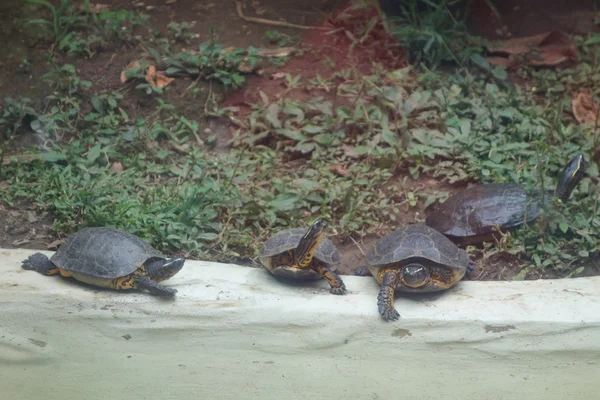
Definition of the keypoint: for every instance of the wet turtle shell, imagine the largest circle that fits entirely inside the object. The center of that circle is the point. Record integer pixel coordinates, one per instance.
(421, 244)
(471, 215)
(287, 240)
(103, 253)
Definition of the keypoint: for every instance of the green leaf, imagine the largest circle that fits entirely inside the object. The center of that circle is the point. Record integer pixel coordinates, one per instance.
(564, 227)
(272, 115)
(94, 153)
(521, 275)
(390, 137)
(53, 156)
(292, 134)
(313, 129)
(208, 236)
(584, 253)
(97, 104)
(324, 139)
(285, 201)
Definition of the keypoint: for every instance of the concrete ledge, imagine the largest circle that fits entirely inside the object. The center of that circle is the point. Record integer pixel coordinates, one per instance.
(237, 333)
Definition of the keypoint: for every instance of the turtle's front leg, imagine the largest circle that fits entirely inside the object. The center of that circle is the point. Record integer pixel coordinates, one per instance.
(334, 280)
(385, 299)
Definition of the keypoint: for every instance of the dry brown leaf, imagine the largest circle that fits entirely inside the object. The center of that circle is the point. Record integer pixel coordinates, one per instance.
(96, 8)
(339, 170)
(278, 75)
(546, 49)
(584, 109)
(54, 245)
(20, 157)
(245, 67)
(19, 242)
(133, 65)
(157, 78)
(116, 167)
(278, 52)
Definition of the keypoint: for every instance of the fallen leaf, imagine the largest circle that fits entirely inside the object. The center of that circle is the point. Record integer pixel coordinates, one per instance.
(131, 66)
(157, 78)
(584, 109)
(54, 245)
(245, 67)
(116, 167)
(95, 8)
(278, 75)
(19, 242)
(546, 49)
(21, 158)
(339, 170)
(31, 218)
(278, 52)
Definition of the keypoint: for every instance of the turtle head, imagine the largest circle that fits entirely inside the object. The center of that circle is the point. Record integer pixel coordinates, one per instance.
(414, 275)
(160, 269)
(570, 177)
(307, 247)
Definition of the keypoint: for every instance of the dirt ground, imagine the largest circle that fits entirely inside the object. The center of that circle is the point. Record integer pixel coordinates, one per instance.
(329, 51)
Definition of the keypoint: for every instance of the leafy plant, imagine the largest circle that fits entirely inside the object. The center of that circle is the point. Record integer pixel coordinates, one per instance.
(434, 35)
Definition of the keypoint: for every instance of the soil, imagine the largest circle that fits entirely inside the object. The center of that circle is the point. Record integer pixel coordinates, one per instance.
(326, 53)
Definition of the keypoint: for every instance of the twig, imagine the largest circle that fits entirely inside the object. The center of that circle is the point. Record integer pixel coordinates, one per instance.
(238, 6)
(358, 246)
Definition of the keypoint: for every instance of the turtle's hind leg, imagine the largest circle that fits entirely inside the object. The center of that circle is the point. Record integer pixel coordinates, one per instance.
(385, 299)
(155, 288)
(40, 263)
(334, 280)
(139, 280)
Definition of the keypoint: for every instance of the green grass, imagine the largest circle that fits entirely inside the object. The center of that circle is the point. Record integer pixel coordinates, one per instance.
(383, 130)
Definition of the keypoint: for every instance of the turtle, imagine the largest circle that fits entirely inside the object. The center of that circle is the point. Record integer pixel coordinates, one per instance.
(110, 258)
(303, 253)
(414, 258)
(472, 216)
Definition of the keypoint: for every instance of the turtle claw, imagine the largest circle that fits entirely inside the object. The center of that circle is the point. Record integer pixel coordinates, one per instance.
(341, 290)
(389, 314)
(362, 271)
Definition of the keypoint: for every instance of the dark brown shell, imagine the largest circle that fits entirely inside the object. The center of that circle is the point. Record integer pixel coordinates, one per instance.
(103, 252)
(417, 241)
(288, 239)
(477, 210)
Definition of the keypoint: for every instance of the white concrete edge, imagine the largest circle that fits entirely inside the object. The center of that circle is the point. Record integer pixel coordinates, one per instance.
(236, 332)
(570, 301)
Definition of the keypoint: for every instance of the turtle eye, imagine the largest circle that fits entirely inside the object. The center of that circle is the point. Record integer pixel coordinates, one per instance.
(415, 275)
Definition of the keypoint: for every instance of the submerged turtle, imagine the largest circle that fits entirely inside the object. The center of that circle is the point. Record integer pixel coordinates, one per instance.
(303, 254)
(415, 258)
(472, 215)
(110, 258)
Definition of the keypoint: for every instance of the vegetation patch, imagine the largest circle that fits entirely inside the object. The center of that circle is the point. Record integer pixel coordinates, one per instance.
(359, 149)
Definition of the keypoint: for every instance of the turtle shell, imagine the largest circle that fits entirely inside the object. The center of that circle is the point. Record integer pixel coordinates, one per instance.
(103, 252)
(288, 239)
(418, 242)
(475, 212)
